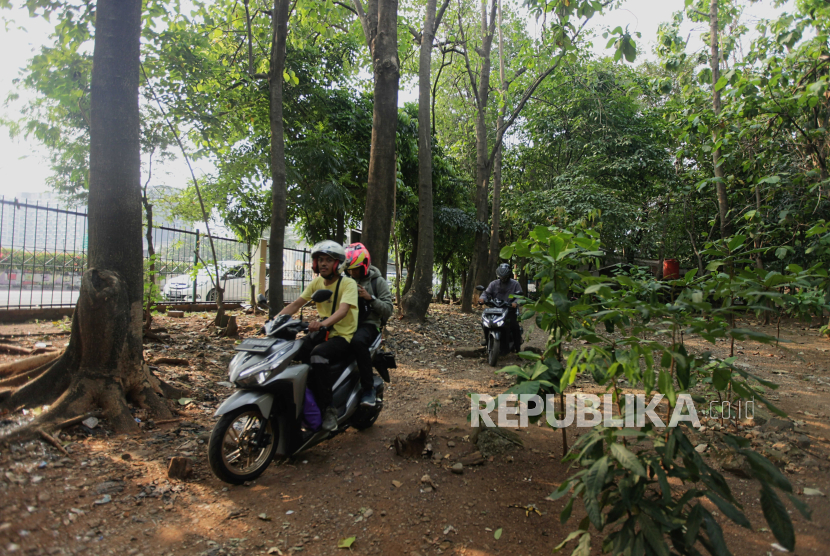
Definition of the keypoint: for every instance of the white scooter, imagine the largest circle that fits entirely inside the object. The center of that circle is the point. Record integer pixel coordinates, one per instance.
(265, 417)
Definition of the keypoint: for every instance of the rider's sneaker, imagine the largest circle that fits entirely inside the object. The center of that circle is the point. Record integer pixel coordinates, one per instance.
(330, 420)
(368, 399)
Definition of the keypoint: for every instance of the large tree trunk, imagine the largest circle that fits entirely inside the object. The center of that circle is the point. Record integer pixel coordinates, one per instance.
(151, 254)
(276, 242)
(410, 271)
(103, 366)
(416, 304)
(478, 268)
(720, 185)
(380, 26)
(495, 218)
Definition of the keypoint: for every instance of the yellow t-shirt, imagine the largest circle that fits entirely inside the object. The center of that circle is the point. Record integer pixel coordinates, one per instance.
(347, 294)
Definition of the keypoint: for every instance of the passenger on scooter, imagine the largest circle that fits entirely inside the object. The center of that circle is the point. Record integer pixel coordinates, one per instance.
(502, 288)
(375, 306)
(325, 348)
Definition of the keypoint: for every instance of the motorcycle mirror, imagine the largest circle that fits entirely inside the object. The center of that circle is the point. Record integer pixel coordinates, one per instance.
(480, 288)
(321, 296)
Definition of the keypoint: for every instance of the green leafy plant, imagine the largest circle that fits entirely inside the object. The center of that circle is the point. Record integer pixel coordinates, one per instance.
(629, 337)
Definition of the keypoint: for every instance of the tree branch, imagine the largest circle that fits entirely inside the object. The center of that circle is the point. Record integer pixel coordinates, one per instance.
(342, 5)
(467, 61)
(526, 96)
(361, 15)
(440, 15)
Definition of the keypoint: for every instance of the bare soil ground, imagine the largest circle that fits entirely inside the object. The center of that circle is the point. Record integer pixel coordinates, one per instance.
(112, 494)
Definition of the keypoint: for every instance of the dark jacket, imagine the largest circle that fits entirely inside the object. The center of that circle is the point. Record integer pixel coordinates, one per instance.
(500, 290)
(382, 307)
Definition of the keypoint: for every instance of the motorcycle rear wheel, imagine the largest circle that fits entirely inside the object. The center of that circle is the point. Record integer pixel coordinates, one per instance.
(493, 353)
(232, 456)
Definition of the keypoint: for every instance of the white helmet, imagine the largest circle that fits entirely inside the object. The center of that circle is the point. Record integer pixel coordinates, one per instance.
(330, 248)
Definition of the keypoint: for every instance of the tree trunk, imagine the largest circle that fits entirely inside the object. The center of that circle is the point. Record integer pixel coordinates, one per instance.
(340, 233)
(151, 253)
(479, 271)
(416, 304)
(104, 364)
(276, 242)
(523, 275)
(380, 26)
(662, 251)
(720, 185)
(495, 218)
(444, 277)
(410, 271)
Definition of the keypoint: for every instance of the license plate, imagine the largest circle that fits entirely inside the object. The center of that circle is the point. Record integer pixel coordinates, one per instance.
(256, 345)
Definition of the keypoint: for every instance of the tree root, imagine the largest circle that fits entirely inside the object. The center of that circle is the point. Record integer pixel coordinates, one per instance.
(53, 379)
(22, 365)
(152, 336)
(102, 368)
(163, 388)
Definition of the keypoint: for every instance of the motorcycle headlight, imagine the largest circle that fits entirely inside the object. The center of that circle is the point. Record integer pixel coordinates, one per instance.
(261, 372)
(255, 379)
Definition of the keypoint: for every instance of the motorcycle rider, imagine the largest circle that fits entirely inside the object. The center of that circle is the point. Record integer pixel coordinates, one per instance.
(340, 316)
(502, 288)
(375, 306)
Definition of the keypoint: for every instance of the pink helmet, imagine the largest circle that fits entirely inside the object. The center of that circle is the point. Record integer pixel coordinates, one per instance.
(357, 256)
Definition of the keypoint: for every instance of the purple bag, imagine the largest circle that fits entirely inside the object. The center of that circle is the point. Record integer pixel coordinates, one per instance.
(311, 411)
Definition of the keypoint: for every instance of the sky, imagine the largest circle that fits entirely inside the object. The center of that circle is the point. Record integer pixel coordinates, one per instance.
(23, 164)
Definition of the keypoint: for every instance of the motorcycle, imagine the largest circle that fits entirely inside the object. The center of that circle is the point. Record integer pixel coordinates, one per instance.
(268, 414)
(494, 323)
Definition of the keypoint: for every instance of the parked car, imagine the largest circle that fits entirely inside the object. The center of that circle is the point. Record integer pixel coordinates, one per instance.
(233, 279)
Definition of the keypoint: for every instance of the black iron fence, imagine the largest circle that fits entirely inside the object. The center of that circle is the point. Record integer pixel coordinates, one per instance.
(43, 253)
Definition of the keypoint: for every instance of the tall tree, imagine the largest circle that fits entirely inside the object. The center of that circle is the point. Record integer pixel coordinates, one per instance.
(481, 92)
(492, 260)
(380, 27)
(557, 44)
(720, 177)
(103, 365)
(416, 303)
(276, 241)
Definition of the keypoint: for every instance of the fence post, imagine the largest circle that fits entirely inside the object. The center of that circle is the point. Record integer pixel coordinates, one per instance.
(302, 276)
(195, 263)
(259, 269)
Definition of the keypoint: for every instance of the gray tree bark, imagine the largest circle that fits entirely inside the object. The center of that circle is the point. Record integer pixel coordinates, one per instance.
(416, 303)
(276, 241)
(103, 366)
(380, 27)
(720, 186)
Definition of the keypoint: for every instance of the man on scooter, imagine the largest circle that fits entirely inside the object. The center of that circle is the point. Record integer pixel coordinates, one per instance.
(339, 314)
(502, 288)
(374, 308)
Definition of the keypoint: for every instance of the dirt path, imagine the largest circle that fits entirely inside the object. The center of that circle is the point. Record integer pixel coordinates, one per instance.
(112, 496)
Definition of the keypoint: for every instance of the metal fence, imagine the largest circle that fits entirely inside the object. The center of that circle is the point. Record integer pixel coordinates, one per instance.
(43, 253)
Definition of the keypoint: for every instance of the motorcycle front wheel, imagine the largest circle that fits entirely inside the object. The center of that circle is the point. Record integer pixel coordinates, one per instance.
(493, 353)
(233, 454)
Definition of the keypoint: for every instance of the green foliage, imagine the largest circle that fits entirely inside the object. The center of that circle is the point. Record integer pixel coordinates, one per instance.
(630, 332)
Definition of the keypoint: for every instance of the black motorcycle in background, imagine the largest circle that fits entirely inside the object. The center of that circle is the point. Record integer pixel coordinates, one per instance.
(496, 329)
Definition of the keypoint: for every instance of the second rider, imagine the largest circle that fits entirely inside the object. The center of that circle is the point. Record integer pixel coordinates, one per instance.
(374, 308)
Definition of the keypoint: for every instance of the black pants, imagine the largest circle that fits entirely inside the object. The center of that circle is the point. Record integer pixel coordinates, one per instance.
(320, 356)
(361, 342)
